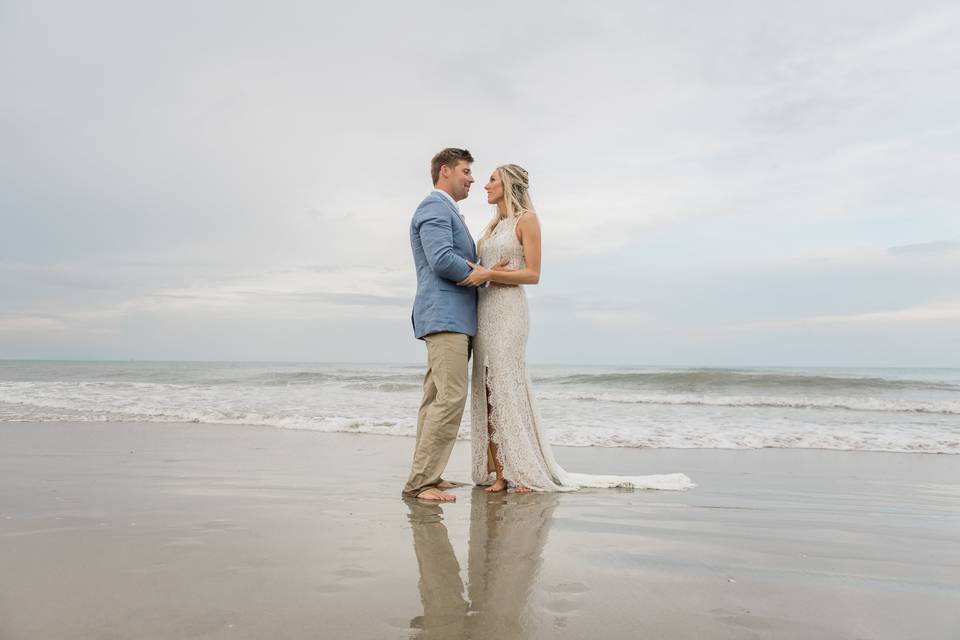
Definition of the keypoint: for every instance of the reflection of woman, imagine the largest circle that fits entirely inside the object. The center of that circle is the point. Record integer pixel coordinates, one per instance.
(507, 536)
(507, 438)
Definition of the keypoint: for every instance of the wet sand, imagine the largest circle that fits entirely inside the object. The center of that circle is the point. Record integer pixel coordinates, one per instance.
(196, 531)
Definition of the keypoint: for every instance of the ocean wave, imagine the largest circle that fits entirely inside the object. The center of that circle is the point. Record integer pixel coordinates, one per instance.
(732, 437)
(705, 408)
(287, 378)
(384, 386)
(887, 405)
(727, 378)
(326, 425)
(703, 435)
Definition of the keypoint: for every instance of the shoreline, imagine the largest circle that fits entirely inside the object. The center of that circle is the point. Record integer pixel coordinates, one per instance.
(245, 425)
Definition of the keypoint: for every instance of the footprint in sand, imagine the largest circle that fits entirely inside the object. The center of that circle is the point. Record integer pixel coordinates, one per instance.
(355, 548)
(329, 588)
(568, 587)
(354, 574)
(563, 598)
(215, 526)
(561, 606)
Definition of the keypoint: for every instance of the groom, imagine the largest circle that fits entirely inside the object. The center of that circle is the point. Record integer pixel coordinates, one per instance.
(444, 317)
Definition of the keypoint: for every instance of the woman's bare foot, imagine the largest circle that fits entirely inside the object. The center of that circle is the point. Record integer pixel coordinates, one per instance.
(435, 495)
(497, 486)
(521, 489)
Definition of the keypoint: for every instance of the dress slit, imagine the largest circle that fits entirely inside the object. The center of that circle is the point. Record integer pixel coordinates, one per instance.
(488, 421)
(503, 408)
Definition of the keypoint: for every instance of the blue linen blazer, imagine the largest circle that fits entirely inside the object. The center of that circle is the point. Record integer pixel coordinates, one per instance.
(441, 245)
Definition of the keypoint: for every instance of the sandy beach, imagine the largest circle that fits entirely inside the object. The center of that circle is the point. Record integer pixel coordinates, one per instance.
(130, 530)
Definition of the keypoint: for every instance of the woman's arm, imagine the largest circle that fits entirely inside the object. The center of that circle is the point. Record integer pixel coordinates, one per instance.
(528, 230)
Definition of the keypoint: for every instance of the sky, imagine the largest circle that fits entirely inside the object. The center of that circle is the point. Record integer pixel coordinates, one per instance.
(718, 184)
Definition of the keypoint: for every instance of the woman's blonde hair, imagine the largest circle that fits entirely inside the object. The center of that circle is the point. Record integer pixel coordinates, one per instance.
(516, 197)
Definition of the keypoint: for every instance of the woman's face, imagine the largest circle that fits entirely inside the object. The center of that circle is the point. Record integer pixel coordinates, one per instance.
(494, 188)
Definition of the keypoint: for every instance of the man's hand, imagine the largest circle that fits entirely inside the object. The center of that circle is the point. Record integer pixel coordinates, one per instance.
(480, 274)
(477, 277)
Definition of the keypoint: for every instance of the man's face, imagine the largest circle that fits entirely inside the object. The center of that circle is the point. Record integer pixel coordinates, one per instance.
(460, 178)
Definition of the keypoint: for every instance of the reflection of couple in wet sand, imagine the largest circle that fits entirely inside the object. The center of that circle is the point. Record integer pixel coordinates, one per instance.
(507, 536)
(471, 298)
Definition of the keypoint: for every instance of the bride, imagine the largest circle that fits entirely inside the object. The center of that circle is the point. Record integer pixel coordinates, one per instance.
(509, 445)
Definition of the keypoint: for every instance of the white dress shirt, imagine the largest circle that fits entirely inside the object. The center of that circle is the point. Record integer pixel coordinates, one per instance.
(450, 198)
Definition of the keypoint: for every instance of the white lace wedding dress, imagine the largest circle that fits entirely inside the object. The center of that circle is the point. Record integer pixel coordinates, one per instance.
(499, 365)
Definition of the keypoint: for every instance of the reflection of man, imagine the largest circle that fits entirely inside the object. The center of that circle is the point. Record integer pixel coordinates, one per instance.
(441, 589)
(507, 536)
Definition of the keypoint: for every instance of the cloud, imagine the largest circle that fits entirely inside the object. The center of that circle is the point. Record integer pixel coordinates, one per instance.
(210, 170)
(28, 324)
(947, 313)
(361, 288)
(940, 246)
(623, 320)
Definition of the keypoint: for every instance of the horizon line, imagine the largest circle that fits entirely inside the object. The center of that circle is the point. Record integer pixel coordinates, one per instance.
(418, 364)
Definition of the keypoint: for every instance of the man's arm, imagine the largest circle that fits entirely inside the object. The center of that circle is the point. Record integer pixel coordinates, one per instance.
(436, 235)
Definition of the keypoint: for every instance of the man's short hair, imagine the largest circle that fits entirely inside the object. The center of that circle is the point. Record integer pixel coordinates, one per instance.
(447, 158)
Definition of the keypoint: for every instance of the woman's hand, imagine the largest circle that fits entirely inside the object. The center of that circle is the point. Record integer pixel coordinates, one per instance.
(480, 274)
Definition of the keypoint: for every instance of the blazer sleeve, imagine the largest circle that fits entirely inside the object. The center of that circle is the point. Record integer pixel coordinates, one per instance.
(436, 235)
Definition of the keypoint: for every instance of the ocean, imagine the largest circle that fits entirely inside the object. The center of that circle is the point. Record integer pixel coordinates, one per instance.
(911, 410)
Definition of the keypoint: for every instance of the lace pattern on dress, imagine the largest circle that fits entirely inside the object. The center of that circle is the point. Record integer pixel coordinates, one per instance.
(500, 369)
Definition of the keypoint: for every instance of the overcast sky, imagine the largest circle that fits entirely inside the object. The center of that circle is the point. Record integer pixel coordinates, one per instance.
(737, 183)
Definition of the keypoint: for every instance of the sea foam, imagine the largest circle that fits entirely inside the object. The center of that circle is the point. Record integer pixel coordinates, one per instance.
(872, 410)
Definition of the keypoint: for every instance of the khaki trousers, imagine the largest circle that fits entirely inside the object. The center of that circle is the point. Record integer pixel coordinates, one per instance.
(438, 421)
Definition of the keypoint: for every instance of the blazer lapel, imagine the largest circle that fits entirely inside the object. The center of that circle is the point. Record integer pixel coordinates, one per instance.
(456, 213)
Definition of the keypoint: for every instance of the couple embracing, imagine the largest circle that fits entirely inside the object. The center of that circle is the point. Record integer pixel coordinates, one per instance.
(471, 299)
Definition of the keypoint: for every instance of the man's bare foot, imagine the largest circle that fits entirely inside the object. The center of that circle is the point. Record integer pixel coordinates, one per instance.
(497, 486)
(435, 495)
(446, 484)
(521, 489)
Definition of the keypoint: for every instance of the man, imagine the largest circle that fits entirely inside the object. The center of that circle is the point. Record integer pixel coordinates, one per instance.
(444, 317)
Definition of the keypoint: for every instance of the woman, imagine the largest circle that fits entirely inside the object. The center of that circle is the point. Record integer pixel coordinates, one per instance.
(508, 441)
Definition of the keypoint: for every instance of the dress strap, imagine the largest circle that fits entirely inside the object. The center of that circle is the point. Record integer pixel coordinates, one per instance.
(516, 222)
